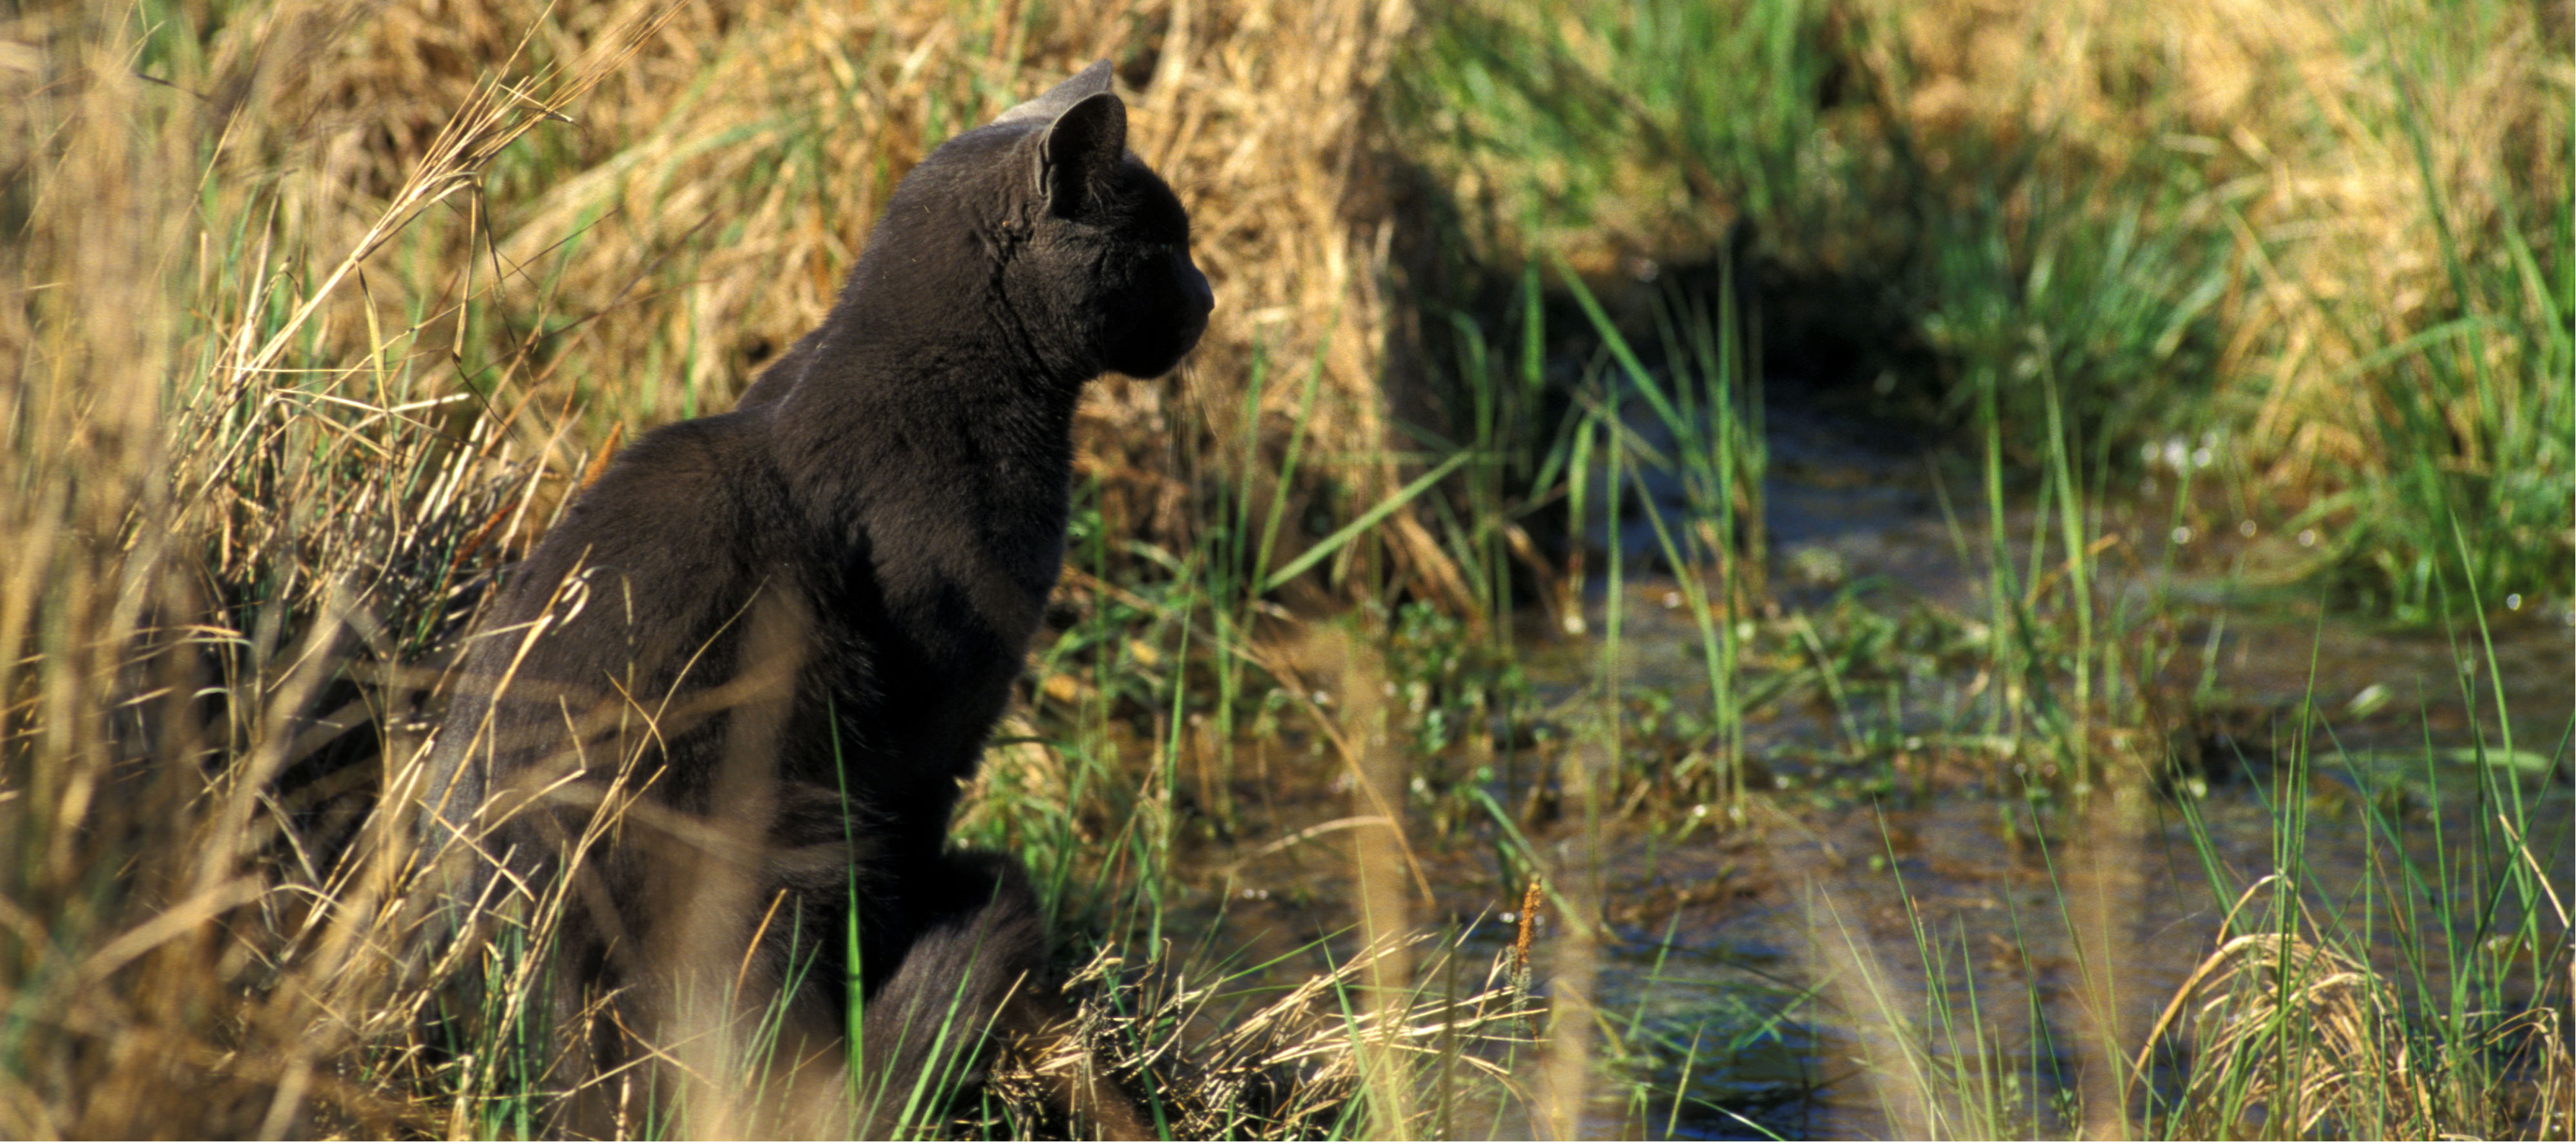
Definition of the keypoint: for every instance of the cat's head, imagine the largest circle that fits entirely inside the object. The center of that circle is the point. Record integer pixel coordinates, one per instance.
(1082, 242)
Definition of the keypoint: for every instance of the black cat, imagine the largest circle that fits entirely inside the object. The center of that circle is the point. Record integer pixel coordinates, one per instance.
(727, 704)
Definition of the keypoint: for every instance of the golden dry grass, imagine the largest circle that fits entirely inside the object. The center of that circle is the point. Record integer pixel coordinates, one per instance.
(2263, 1000)
(211, 519)
(319, 309)
(2284, 130)
(696, 214)
(2294, 115)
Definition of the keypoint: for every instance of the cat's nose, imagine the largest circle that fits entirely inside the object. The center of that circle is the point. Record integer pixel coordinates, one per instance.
(1197, 283)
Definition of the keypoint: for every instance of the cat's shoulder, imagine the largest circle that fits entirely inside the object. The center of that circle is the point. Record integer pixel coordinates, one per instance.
(691, 457)
(679, 495)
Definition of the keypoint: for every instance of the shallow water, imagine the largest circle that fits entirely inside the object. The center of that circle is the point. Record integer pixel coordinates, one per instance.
(1753, 968)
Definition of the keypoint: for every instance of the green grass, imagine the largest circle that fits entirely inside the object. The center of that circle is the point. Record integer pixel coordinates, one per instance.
(2001, 276)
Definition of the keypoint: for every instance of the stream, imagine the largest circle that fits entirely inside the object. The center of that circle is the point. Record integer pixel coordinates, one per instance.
(1766, 977)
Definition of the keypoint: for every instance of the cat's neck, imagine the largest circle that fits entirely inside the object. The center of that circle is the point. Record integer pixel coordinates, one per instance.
(900, 402)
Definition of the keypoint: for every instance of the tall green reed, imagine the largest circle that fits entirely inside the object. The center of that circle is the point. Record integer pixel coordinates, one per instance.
(1710, 412)
(2477, 410)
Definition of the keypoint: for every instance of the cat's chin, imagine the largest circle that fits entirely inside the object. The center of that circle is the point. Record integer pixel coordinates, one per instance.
(1148, 365)
(1159, 351)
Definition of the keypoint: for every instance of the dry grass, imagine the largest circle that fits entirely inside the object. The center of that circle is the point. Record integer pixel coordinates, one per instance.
(318, 311)
(209, 521)
(1297, 1067)
(695, 217)
(2284, 133)
(2291, 1035)
(2293, 117)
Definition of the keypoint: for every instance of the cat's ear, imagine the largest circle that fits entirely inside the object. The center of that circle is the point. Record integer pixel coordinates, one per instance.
(1088, 82)
(1078, 151)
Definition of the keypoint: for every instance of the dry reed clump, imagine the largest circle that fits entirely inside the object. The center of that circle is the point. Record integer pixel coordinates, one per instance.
(2267, 999)
(212, 520)
(2289, 1035)
(1294, 1068)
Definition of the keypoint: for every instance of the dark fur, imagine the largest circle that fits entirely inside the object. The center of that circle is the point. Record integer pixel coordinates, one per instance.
(792, 626)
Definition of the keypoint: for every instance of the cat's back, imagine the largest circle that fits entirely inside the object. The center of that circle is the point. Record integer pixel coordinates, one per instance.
(635, 583)
(679, 505)
(681, 532)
